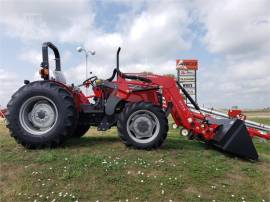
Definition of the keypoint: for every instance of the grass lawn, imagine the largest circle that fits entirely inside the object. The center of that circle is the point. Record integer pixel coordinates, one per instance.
(99, 167)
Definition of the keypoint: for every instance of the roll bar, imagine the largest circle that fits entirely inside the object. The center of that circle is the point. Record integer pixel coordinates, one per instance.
(119, 73)
(117, 58)
(45, 56)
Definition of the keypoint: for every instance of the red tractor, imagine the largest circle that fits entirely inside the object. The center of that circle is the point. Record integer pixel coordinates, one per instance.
(45, 113)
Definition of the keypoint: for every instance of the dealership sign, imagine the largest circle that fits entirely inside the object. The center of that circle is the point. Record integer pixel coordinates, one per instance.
(187, 64)
(186, 75)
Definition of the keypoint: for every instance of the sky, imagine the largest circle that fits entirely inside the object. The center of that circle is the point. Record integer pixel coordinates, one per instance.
(230, 38)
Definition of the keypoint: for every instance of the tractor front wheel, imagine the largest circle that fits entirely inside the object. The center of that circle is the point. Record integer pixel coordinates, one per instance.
(41, 114)
(142, 126)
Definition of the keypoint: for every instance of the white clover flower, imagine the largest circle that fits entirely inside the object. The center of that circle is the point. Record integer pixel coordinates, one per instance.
(199, 196)
(141, 181)
(66, 159)
(162, 191)
(232, 195)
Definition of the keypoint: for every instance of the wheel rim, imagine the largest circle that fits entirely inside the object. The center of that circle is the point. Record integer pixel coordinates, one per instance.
(143, 126)
(184, 132)
(38, 115)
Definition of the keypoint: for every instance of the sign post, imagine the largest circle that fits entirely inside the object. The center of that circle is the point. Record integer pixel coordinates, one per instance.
(187, 76)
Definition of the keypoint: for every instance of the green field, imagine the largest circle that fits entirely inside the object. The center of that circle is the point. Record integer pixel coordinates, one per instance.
(98, 167)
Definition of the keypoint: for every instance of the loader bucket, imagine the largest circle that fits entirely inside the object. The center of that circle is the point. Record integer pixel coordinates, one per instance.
(232, 137)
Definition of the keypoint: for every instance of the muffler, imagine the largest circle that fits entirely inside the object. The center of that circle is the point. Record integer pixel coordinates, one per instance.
(232, 137)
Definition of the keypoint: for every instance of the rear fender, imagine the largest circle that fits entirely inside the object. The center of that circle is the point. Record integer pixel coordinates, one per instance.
(78, 97)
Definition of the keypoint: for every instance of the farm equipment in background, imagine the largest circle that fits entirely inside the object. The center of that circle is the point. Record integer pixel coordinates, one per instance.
(2, 113)
(47, 112)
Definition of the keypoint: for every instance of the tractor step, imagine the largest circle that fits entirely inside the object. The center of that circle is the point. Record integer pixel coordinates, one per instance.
(232, 137)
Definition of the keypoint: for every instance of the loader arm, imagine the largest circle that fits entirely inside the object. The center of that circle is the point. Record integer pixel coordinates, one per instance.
(227, 134)
(182, 115)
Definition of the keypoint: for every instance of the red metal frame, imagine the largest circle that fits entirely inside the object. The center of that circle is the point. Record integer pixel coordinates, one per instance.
(180, 112)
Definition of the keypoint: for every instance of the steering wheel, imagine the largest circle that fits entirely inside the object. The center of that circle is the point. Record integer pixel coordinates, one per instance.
(88, 81)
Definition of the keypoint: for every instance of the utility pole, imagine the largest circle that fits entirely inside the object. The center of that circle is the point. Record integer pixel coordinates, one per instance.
(82, 49)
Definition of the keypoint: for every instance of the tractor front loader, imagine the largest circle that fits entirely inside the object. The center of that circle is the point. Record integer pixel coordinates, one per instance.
(45, 113)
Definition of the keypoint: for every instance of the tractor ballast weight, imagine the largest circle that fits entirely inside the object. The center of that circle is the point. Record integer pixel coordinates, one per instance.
(46, 113)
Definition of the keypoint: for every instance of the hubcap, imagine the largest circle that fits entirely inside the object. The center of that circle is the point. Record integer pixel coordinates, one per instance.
(38, 115)
(184, 132)
(143, 126)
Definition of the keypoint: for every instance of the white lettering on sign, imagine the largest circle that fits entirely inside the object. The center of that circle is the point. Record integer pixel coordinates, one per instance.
(188, 85)
(186, 79)
(187, 72)
(190, 91)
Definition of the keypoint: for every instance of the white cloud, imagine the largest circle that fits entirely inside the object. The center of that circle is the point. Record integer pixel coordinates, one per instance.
(152, 35)
(236, 27)
(9, 84)
(242, 83)
(42, 20)
(238, 31)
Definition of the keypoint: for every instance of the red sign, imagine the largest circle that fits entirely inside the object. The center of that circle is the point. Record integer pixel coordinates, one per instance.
(187, 64)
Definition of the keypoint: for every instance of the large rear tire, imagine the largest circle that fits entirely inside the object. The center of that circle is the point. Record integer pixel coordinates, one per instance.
(41, 114)
(142, 126)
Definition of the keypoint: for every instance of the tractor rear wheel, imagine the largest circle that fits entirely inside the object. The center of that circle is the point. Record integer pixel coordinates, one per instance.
(142, 126)
(41, 114)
